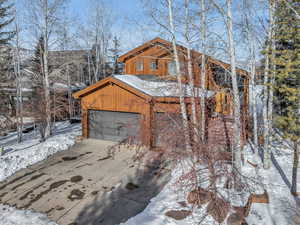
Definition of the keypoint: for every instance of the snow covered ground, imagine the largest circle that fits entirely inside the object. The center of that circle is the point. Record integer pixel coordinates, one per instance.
(11, 216)
(21, 155)
(169, 199)
(282, 209)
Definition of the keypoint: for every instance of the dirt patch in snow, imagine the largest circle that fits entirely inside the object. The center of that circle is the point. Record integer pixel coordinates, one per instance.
(178, 214)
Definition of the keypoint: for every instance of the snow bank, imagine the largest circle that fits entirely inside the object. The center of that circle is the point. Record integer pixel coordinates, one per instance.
(12, 216)
(31, 151)
(27, 153)
(281, 210)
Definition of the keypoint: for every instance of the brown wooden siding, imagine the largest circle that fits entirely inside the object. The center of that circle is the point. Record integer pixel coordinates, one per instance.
(112, 97)
(162, 53)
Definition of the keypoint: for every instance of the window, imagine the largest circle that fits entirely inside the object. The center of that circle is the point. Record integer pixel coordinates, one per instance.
(154, 65)
(139, 66)
(172, 68)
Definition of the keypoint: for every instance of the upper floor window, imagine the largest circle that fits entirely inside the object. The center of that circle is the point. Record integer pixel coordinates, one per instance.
(154, 65)
(172, 68)
(139, 66)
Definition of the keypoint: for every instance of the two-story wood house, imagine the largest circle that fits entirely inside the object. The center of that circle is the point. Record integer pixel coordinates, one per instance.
(142, 101)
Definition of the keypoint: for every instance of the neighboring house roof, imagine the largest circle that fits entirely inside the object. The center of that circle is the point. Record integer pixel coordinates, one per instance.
(58, 86)
(144, 87)
(168, 45)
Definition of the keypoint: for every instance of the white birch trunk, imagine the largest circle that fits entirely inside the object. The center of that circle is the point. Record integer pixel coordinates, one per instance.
(237, 115)
(265, 113)
(178, 74)
(89, 69)
(273, 66)
(17, 61)
(252, 89)
(190, 71)
(69, 93)
(268, 94)
(203, 70)
(253, 96)
(46, 72)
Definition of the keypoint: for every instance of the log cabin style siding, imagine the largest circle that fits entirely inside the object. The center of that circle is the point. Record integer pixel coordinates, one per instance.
(150, 63)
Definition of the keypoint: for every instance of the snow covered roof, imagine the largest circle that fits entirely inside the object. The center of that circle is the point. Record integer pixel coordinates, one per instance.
(159, 87)
(64, 87)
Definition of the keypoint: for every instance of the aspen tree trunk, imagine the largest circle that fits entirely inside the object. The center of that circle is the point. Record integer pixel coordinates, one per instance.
(203, 70)
(268, 95)
(97, 61)
(17, 60)
(46, 72)
(237, 107)
(178, 74)
(265, 113)
(253, 95)
(69, 93)
(252, 89)
(273, 66)
(54, 109)
(295, 168)
(89, 69)
(190, 70)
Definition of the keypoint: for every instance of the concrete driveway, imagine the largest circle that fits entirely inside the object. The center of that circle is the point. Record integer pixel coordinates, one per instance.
(85, 185)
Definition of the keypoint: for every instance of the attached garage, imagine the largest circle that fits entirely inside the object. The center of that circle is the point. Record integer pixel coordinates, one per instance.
(129, 106)
(113, 126)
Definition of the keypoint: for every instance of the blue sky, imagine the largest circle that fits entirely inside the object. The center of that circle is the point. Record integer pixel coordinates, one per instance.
(126, 12)
(119, 6)
(132, 25)
(122, 8)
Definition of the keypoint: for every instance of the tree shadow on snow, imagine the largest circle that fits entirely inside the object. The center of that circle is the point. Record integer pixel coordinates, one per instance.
(281, 172)
(125, 201)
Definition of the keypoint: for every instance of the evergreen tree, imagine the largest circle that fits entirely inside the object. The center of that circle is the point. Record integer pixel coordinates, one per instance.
(115, 55)
(287, 76)
(37, 62)
(6, 18)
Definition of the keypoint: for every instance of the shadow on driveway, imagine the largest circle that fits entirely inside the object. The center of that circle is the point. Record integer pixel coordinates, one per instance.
(125, 201)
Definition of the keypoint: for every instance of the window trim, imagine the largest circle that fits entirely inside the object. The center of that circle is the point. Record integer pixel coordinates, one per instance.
(174, 68)
(139, 65)
(154, 62)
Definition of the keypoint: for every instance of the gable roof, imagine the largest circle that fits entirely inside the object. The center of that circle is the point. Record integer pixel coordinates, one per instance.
(109, 80)
(142, 48)
(143, 87)
(159, 41)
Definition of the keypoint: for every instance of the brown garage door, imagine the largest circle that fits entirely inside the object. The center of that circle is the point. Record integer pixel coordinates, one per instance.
(113, 126)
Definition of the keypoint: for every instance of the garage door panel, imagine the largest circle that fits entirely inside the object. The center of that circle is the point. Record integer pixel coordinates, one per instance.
(114, 126)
